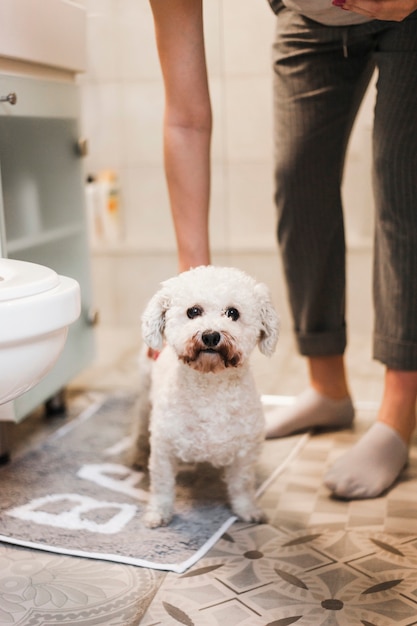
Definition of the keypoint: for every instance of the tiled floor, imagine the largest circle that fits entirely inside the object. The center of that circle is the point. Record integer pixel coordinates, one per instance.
(319, 561)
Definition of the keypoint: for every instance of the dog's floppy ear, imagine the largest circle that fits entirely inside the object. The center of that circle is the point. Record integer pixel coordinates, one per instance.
(269, 321)
(153, 319)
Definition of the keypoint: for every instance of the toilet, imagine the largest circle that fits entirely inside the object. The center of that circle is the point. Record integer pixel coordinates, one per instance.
(36, 308)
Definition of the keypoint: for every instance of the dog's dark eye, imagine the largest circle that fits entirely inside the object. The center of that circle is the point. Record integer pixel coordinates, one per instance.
(232, 313)
(194, 311)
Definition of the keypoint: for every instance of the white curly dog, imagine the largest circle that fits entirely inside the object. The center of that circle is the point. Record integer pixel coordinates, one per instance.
(199, 394)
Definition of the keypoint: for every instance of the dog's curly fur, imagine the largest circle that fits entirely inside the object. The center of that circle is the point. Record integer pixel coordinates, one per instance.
(199, 394)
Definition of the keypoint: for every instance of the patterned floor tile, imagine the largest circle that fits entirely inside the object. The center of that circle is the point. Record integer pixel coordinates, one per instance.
(267, 576)
(39, 589)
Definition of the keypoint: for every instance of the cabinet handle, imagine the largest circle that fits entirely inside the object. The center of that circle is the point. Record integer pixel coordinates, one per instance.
(11, 98)
(81, 147)
(93, 317)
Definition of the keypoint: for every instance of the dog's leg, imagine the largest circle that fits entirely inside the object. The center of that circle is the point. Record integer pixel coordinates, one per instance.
(162, 471)
(140, 449)
(240, 480)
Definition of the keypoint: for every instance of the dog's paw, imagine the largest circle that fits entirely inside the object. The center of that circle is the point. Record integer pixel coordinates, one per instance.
(154, 518)
(250, 513)
(257, 516)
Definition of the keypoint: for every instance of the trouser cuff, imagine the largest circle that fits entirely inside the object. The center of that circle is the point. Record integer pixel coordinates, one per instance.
(321, 344)
(397, 355)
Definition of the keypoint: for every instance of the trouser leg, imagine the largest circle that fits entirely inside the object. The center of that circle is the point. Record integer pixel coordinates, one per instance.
(395, 188)
(317, 92)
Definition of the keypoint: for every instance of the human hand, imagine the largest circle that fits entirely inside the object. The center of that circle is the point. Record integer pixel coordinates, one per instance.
(390, 10)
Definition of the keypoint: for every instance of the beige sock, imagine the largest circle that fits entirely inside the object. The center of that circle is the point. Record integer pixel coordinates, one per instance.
(310, 410)
(371, 466)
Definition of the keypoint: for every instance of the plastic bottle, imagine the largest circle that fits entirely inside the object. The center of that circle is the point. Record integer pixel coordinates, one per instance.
(110, 210)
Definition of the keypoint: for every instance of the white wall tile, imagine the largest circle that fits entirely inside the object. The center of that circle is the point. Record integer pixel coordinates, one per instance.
(104, 278)
(218, 139)
(137, 56)
(249, 118)
(138, 278)
(219, 222)
(141, 107)
(147, 215)
(213, 29)
(248, 29)
(101, 41)
(102, 125)
(251, 210)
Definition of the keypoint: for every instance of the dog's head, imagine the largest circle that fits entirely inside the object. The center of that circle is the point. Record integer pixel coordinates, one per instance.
(213, 317)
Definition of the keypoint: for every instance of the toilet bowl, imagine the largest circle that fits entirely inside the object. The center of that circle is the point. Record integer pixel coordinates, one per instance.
(36, 308)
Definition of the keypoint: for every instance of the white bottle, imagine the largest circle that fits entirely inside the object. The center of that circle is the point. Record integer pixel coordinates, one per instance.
(110, 210)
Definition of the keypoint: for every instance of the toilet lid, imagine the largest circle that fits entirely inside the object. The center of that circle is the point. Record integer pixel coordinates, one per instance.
(19, 279)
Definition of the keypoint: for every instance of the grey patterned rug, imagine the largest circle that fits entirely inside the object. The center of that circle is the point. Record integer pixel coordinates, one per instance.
(76, 495)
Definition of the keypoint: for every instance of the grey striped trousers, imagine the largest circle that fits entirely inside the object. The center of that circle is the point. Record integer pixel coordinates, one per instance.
(320, 77)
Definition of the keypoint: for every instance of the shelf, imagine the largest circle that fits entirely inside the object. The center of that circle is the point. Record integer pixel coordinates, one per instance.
(50, 236)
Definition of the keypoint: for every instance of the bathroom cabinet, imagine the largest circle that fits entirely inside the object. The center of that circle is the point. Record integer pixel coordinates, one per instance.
(42, 209)
(42, 205)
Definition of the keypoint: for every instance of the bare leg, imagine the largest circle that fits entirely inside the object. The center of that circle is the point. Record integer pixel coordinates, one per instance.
(398, 408)
(328, 376)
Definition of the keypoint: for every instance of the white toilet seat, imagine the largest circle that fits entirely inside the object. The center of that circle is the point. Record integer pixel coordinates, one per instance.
(19, 279)
(34, 300)
(36, 308)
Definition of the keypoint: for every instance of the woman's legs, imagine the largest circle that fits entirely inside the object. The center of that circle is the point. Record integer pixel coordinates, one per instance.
(317, 296)
(375, 462)
(317, 94)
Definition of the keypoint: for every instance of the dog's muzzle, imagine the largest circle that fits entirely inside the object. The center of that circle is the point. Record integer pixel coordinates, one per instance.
(211, 351)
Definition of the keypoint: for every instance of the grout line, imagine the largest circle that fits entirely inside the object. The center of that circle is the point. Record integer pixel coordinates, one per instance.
(286, 462)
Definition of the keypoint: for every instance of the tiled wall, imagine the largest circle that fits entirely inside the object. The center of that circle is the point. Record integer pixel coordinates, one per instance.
(122, 100)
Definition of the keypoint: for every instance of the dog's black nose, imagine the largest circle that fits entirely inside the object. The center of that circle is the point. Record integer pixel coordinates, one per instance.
(211, 339)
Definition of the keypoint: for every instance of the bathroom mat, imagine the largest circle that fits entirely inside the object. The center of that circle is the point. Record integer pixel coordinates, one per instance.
(75, 494)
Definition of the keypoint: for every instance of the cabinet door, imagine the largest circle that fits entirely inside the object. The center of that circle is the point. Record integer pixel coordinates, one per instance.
(44, 220)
